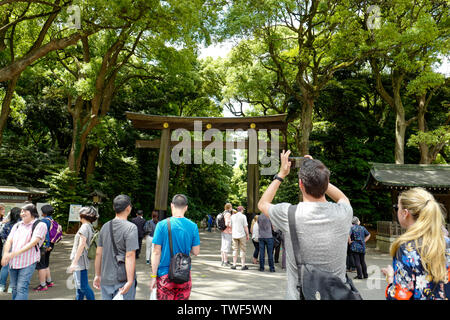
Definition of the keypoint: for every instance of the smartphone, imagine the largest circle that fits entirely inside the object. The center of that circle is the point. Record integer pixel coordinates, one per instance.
(296, 162)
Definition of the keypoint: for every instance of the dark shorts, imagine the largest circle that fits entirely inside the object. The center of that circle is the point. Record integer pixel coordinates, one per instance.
(168, 290)
(45, 258)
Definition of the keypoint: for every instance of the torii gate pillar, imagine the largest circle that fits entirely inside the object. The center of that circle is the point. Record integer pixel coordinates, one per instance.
(162, 176)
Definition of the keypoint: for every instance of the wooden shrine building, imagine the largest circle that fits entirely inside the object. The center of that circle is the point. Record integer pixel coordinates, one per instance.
(396, 178)
(167, 124)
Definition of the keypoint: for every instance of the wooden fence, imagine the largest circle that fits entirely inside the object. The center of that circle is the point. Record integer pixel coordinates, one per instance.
(389, 228)
(393, 228)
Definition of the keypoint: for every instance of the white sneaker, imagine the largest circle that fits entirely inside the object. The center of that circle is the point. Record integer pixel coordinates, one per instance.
(2, 288)
(9, 290)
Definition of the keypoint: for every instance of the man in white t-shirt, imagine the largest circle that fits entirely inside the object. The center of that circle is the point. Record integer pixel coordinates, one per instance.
(240, 235)
(322, 226)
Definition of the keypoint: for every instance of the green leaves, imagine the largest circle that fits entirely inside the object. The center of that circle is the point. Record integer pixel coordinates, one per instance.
(65, 187)
(432, 138)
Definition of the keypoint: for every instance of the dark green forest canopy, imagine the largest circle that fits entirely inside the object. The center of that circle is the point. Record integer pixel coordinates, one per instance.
(353, 93)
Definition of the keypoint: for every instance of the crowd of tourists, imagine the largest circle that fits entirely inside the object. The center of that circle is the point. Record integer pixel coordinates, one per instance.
(235, 233)
(320, 242)
(27, 243)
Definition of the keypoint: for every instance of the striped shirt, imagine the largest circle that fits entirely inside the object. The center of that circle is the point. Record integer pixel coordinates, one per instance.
(21, 236)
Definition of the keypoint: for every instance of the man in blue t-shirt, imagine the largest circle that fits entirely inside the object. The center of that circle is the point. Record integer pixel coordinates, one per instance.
(185, 239)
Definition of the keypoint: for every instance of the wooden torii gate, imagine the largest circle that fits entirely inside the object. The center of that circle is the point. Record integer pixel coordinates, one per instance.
(166, 124)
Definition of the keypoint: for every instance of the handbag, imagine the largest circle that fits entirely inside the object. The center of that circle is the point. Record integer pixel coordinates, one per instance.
(276, 235)
(315, 284)
(121, 269)
(180, 264)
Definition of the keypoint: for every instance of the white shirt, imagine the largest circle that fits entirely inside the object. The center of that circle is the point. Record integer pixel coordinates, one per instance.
(238, 223)
(255, 233)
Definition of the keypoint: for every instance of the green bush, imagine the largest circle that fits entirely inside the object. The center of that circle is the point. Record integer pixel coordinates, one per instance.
(65, 188)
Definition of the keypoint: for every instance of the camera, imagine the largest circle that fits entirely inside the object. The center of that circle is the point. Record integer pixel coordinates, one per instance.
(296, 162)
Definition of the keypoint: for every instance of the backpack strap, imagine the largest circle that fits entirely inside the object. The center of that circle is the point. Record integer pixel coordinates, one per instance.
(32, 231)
(170, 237)
(293, 233)
(295, 246)
(112, 239)
(92, 238)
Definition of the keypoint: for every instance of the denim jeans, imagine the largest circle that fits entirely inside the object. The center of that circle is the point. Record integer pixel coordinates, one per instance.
(4, 275)
(20, 281)
(110, 291)
(266, 243)
(82, 285)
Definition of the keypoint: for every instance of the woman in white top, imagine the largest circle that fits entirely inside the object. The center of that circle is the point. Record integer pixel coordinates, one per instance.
(254, 230)
(226, 235)
(79, 254)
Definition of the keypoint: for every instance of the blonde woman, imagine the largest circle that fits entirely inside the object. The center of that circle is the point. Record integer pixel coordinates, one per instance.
(421, 256)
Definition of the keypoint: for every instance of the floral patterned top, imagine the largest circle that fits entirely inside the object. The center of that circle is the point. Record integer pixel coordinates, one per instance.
(411, 281)
(6, 230)
(357, 235)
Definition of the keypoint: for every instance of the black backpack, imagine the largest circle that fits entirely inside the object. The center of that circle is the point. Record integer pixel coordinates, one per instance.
(148, 227)
(221, 221)
(276, 235)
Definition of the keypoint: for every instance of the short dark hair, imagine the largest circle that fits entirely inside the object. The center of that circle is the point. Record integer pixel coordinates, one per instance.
(14, 215)
(47, 210)
(179, 201)
(315, 177)
(140, 212)
(121, 202)
(89, 213)
(32, 208)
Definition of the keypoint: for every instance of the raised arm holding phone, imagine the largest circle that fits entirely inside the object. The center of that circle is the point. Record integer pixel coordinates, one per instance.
(322, 227)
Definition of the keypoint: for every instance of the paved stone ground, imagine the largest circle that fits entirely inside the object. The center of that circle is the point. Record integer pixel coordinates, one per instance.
(210, 280)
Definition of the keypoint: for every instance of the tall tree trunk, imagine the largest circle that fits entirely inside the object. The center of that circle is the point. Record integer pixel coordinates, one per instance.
(400, 129)
(422, 126)
(400, 122)
(395, 101)
(83, 123)
(92, 158)
(6, 105)
(87, 114)
(306, 124)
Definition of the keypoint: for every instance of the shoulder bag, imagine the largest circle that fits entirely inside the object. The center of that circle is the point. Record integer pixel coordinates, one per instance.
(121, 269)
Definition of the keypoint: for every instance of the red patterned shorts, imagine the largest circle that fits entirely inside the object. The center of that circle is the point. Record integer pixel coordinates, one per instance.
(168, 290)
